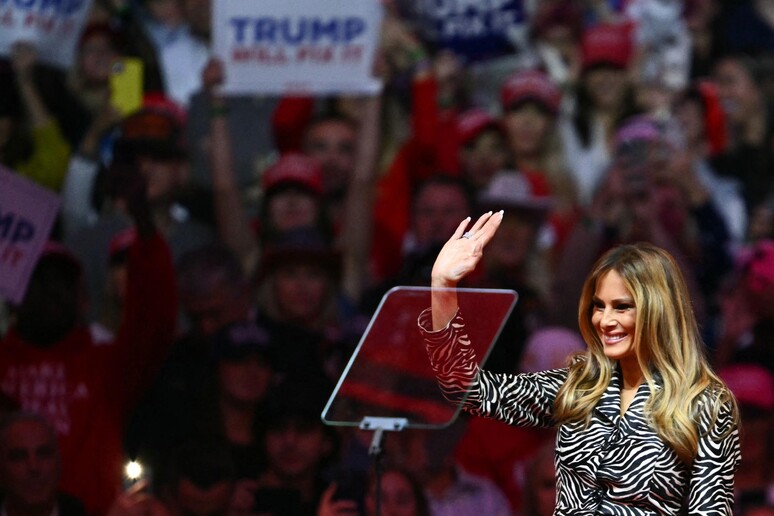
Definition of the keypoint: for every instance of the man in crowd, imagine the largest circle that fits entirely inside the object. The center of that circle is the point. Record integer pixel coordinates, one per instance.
(30, 469)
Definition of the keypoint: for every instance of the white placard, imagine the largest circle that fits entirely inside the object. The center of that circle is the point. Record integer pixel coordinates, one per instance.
(27, 212)
(53, 26)
(297, 46)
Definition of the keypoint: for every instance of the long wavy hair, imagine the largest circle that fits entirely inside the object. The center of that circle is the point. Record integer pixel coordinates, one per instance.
(667, 344)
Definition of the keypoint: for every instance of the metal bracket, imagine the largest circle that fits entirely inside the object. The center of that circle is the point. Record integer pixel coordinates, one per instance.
(379, 425)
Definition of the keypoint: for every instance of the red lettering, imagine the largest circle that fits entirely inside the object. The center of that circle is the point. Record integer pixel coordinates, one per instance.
(40, 22)
(314, 54)
(11, 256)
(352, 53)
(260, 55)
(67, 27)
(6, 20)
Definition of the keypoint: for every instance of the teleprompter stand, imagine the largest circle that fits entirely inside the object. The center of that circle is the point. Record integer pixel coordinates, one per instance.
(388, 384)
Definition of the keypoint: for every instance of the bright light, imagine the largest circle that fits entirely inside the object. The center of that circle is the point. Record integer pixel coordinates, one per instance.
(133, 470)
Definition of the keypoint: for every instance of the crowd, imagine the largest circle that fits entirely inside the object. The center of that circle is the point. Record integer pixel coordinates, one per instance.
(216, 259)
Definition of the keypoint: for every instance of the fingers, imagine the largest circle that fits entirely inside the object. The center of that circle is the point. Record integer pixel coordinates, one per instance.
(137, 488)
(480, 223)
(213, 76)
(345, 508)
(491, 225)
(485, 226)
(482, 229)
(329, 492)
(461, 228)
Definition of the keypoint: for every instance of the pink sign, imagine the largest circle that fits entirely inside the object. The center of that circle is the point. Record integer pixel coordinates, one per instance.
(27, 212)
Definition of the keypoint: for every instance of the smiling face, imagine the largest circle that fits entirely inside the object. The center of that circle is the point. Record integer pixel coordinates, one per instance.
(614, 317)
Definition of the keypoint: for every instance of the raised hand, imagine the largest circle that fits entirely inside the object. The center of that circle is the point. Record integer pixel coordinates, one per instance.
(213, 76)
(136, 501)
(24, 57)
(458, 258)
(462, 252)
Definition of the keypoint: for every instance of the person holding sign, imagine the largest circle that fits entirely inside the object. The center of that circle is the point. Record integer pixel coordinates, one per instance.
(353, 226)
(31, 142)
(644, 424)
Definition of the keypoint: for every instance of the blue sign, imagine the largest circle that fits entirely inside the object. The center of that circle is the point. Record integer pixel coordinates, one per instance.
(61, 7)
(474, 29)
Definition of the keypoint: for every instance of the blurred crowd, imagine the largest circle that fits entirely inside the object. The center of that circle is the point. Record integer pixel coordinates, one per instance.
(217, 259)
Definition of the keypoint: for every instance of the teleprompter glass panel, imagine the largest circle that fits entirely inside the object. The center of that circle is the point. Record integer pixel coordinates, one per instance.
(389, 373)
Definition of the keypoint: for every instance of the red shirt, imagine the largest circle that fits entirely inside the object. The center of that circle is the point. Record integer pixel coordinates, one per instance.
(86, 389)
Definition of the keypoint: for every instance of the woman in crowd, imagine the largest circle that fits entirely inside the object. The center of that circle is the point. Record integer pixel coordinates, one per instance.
(531, 105)
(604, 96)
(742, 82)
(31, 140)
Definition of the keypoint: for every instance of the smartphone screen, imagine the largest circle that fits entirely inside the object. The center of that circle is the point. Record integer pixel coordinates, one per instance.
(126, 85)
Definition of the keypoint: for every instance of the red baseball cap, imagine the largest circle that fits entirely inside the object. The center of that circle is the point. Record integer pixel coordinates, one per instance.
(294, 168)
(607, 43)
(473, 122)
(154, 131)
(530, 85)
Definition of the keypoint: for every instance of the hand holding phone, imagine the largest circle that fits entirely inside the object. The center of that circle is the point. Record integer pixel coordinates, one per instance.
(136, 477)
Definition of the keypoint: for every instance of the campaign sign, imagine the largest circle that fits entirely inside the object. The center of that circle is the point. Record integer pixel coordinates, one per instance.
(299, 46)
(27, 212)
(474, 29)
(53, 26)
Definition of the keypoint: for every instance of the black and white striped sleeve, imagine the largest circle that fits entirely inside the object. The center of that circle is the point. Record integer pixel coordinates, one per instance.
(519, 399)
(711, 490)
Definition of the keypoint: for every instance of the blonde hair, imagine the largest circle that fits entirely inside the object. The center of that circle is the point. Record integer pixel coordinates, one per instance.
(667, 343)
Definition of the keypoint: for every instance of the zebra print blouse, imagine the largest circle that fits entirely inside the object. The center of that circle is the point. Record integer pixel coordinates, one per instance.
(618, 464)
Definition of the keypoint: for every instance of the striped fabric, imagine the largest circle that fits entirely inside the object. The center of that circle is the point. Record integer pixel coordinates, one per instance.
(618, 464)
